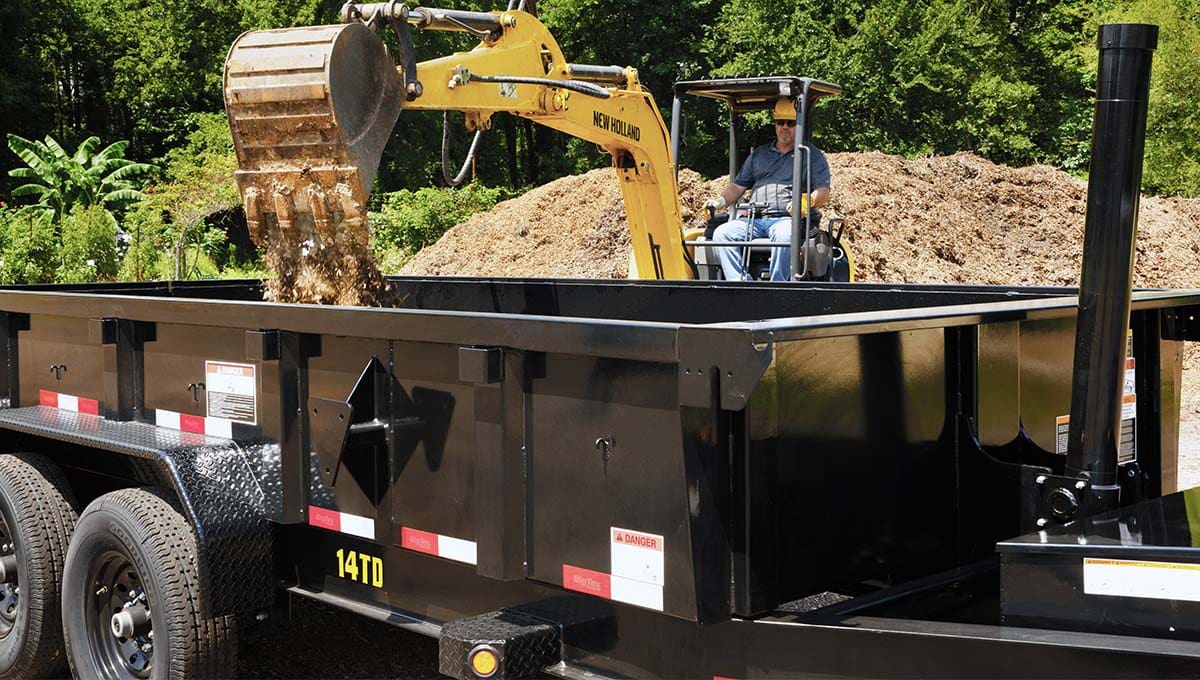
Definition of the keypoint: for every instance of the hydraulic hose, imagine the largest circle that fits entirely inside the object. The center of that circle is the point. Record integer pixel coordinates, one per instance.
(579, 86)
(462, 172)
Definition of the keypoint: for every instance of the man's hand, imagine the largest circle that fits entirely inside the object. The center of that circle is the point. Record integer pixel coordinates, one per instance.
(715, 204)
(803, 204)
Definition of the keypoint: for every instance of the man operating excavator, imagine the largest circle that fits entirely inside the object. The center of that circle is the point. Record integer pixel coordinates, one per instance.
(767, 174)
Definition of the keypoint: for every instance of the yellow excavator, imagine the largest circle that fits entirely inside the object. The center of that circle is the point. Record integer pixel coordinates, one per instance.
(312, 108)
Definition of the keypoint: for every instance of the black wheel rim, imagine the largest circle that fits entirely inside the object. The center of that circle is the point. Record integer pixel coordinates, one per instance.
(10, 591)
(116, 586)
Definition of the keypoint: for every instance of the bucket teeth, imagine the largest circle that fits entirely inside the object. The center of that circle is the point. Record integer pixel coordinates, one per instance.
(352, 208)
(285, 215)
(254, 222)
(311, 110)
(322, 219)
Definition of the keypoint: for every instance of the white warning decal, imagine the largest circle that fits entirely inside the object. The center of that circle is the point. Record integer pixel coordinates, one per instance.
(1130, 578)
(1128, 448)
(232, 391)
(638, 568)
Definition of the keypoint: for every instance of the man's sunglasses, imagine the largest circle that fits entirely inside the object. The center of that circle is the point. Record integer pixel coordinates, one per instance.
(786, 123)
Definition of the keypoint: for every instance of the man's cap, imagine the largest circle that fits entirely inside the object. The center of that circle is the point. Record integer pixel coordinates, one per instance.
(785, 109)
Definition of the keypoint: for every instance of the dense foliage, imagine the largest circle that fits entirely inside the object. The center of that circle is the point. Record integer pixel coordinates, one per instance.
(1010, 80)
(59, 182)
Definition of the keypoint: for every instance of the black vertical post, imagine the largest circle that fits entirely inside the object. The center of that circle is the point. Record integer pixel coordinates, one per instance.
(798, 264)
(11, 324)
(124, 368)
(1105, 288)
(291, 351)
(501, 464)
(733, 143)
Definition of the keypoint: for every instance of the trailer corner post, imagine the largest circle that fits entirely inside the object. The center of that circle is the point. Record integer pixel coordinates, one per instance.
(1102, 325)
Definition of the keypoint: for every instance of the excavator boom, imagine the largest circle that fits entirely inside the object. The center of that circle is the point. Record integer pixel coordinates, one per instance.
(312, 108)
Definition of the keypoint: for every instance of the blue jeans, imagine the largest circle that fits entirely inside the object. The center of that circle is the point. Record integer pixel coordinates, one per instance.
(774, 228)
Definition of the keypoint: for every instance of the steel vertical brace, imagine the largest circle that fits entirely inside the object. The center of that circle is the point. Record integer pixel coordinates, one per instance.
(707, 464)
(124, 369)
(10, 366)
(500, 464)
(291, 351)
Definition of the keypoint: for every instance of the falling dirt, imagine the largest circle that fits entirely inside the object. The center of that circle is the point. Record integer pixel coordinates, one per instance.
(339, 273)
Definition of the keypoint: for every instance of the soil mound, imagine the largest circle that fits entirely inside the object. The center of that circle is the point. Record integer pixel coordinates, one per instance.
(574, 227)
(948, 219)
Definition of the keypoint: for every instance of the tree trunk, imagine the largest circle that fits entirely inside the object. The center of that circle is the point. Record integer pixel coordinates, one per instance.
(508, 124)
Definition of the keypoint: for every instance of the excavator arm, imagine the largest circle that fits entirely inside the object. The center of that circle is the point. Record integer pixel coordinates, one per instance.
(312, 108)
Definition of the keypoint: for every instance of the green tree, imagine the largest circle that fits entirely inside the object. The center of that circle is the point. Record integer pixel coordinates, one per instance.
(1172, 161)
(59, 181)
(169, 233)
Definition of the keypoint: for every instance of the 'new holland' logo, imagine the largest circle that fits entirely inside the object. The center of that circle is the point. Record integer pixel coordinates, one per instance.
(616, 126)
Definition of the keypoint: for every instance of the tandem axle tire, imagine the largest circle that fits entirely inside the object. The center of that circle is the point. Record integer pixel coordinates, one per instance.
(37, 516)
(132, 606)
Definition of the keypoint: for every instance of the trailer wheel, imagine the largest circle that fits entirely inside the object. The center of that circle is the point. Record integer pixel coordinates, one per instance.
(36, 520)
(132, 595)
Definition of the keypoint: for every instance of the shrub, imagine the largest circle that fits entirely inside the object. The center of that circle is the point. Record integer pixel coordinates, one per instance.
(89, 246)
(169, 233)
(28, 247)
(410, 220)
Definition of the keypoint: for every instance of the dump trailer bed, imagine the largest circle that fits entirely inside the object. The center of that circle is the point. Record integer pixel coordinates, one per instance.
(627, 479)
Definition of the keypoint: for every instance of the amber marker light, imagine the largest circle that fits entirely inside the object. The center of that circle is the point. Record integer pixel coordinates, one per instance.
(484, 662)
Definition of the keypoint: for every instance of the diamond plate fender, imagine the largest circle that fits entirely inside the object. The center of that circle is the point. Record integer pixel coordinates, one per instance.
(225, 489)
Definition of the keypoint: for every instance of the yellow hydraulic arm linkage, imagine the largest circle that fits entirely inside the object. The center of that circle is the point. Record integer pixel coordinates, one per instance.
(312, 108)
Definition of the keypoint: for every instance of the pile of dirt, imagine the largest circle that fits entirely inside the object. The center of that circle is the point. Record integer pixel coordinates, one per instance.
(574, 227)
(949, 219)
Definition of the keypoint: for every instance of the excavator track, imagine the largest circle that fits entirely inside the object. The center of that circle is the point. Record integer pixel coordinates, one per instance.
(311, 110)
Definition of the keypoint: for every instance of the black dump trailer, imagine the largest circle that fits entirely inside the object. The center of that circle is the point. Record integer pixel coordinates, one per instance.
(613, 479)
(627, 479)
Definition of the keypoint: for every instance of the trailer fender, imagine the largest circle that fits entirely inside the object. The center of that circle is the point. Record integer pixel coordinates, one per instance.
(224, 489)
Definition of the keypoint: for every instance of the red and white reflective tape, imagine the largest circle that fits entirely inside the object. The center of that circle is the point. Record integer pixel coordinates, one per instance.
(612, 587)
(68, 402)
(436, 544)
(213, 427)
(355, 525)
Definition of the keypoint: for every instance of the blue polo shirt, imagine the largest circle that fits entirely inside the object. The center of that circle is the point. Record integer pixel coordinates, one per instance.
(767, 169)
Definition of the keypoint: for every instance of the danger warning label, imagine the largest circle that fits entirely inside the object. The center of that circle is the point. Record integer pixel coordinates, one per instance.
(232, 391)
(637, 556)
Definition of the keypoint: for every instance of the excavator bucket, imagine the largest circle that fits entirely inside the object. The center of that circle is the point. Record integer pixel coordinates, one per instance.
(311, 110)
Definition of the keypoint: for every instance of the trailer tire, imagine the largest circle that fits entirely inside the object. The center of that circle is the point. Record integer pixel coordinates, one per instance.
(130, 542)
(38, 514)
